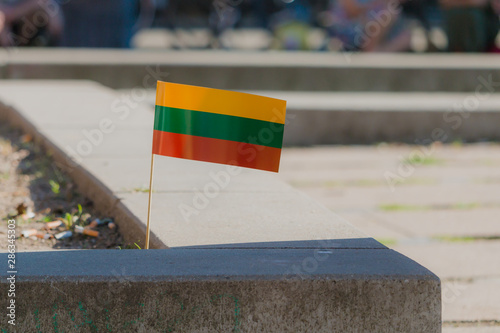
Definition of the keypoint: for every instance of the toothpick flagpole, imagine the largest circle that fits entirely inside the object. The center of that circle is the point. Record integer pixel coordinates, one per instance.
(150, 195)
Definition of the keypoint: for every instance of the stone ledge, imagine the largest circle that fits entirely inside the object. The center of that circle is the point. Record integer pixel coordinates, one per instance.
(299, 71)
(366, 117)
(209, 290)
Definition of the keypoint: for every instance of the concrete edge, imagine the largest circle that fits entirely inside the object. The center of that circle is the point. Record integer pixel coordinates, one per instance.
(235, 58)
(180, 264)
(104, 200)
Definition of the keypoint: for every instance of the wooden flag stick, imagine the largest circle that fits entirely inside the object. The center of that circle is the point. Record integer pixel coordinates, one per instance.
(150, 194)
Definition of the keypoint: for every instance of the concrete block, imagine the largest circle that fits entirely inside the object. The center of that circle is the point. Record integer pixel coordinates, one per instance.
(210, 290)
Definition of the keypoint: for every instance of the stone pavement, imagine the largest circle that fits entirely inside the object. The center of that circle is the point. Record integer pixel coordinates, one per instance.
(438, 205)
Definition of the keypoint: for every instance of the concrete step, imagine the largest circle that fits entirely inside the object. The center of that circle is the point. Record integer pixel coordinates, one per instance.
(223, 290)
(365, 118)
(297, 71)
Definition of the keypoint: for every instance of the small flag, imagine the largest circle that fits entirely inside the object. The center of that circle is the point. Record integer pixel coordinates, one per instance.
(218, 126)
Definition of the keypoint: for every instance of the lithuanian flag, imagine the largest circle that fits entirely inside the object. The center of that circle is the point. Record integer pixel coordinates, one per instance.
(218, 126)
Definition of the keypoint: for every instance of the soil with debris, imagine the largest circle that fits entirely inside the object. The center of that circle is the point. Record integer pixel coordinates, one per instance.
(35, 192)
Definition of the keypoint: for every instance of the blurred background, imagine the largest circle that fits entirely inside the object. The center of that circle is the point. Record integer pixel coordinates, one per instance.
(316, 25)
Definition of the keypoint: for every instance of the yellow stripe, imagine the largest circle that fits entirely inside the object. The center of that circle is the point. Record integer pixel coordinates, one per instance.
(226, 102)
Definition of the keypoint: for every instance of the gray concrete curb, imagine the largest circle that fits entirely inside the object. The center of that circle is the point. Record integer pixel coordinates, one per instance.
(225, 290)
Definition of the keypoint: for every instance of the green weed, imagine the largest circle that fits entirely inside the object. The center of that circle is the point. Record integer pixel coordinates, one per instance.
(387, 241)
(400, 207)
(55, 187)
(422, 160)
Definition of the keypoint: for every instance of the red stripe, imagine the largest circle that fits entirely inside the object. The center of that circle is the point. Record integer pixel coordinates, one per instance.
(216, 151)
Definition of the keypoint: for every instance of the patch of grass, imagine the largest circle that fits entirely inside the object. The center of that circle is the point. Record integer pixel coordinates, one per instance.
(387, 241)
(353, 182)
(141, 189)
(488, 162)
(400, 207)
(328, 183)
(423, 160)
(466, 205)
(421, 181)
(454, 239)
(68, 220)
(47, 218)
(393, 207)
(80, 211)
(130, 246)
(366, 182)
(303, 183)
(54, 186)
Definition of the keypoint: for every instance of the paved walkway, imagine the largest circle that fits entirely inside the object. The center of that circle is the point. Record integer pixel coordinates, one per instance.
(439, 206)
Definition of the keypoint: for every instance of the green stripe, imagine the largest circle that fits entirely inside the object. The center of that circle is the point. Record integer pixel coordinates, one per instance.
(218, 126)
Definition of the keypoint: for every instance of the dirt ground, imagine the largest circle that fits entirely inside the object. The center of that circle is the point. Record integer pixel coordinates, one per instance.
(34, 191)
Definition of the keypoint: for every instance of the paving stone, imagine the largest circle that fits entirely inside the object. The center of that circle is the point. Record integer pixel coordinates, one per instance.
(448, 223)
(471, 301)
(455, 259)
(419, 196)
(333, 176)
